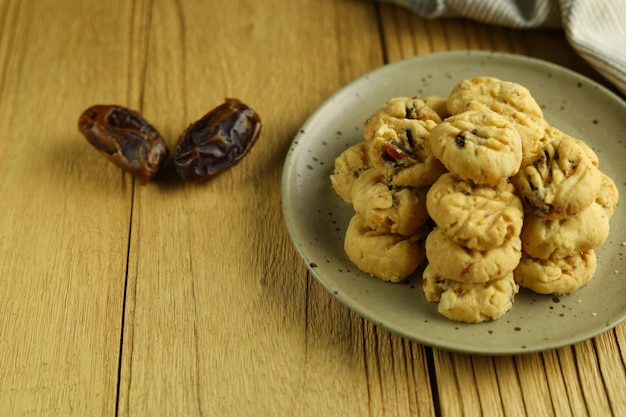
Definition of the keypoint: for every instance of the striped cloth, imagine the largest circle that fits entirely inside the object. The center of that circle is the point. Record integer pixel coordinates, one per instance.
(595, 28)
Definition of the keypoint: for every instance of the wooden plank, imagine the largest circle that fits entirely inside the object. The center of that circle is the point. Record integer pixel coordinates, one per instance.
(8, 15)
(66, 210)
(222, 317)
(487, 382)
(509, 386)
(533, 384)
(397, 375)
(571, 379)
(611, 364)
(556, 385)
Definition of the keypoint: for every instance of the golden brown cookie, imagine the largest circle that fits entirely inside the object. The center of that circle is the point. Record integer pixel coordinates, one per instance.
(470, 303)
(388, 208)
(544, 238)
(439, 104)
(348, 166)
(481, 146)
(402, 153)
(608, 195)
(556, 276)
(399, 112)
(387, 256)
(511, 100)
(457, 99)
(479, 217)
(458, 263)
(552, 133)
(559, 182)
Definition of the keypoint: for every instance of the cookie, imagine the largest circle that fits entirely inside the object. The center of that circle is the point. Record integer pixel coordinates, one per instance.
(479, 217)
(511, 100)
(544, 238)
(556, 276)
(470, 303)
(396, 112)
(551, 133)
(481, 146)
(458, 263)
(439, 104)
(608, 195)
(559, 182)
(388, 208)
(402, 153)
(457, 99)
(387, 256)
(348, 167)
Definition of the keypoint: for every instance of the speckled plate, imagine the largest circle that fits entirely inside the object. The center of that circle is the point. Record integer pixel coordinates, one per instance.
(317, 218)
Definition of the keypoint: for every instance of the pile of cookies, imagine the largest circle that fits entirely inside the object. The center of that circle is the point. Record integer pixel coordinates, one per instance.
(386, 186)
(474, 248)
(568, 203)
(481, 186)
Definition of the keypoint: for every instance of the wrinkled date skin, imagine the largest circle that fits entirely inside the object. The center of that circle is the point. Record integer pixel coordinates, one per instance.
(217, 141)
(126, 139)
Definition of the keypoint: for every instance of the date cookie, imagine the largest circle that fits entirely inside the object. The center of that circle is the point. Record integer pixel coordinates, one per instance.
(439, 104)
(511, 100)
(387, 256)
(349, 165)
(481, 146)
(544, 238)
(458, 97)
(402, 153)
(559, 182)
(470, 303)
(398, 113)
(388, 208)
(608, 195)
(479, 217)
(556, 276)
(458, 263)
(552, 133)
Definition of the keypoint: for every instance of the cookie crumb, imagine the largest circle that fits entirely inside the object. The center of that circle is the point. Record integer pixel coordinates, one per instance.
(594, 314)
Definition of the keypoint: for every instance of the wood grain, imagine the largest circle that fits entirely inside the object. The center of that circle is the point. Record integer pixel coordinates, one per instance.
(66, 213)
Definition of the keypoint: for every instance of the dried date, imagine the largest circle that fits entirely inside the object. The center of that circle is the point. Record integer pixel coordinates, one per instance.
(126, 139)
(217, 141)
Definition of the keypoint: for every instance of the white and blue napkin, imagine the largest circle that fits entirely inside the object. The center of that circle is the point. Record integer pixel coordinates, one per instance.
(596, 29)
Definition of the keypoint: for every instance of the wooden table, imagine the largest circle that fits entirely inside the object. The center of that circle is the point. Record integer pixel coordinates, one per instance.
(189, 299)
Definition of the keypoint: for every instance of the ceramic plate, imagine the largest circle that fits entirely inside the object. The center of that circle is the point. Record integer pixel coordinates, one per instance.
(317, 218)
